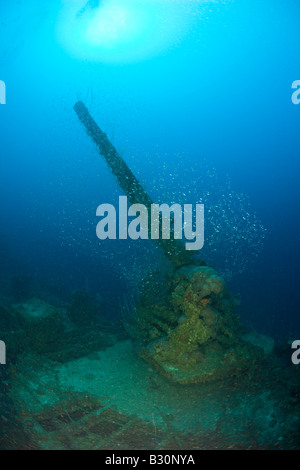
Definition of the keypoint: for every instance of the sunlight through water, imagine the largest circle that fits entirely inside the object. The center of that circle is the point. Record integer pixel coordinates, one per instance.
(122, 31)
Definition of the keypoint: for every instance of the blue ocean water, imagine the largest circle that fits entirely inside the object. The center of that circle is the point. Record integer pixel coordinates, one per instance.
(196, 96)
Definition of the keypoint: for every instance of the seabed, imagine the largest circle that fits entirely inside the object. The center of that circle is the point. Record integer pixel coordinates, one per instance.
(102, 395)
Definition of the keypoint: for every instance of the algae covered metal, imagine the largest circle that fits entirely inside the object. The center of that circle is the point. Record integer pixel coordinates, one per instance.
(133, 189)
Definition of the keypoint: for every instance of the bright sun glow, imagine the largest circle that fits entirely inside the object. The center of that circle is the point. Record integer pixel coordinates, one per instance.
(120, 31)
(112, 25)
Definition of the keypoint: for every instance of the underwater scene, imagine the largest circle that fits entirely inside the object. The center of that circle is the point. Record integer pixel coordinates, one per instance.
(149, 237)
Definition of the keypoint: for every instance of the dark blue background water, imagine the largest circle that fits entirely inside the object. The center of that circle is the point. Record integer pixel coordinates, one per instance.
(221, 93)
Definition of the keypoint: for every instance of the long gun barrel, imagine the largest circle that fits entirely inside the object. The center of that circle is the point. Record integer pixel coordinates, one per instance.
(173, 249)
